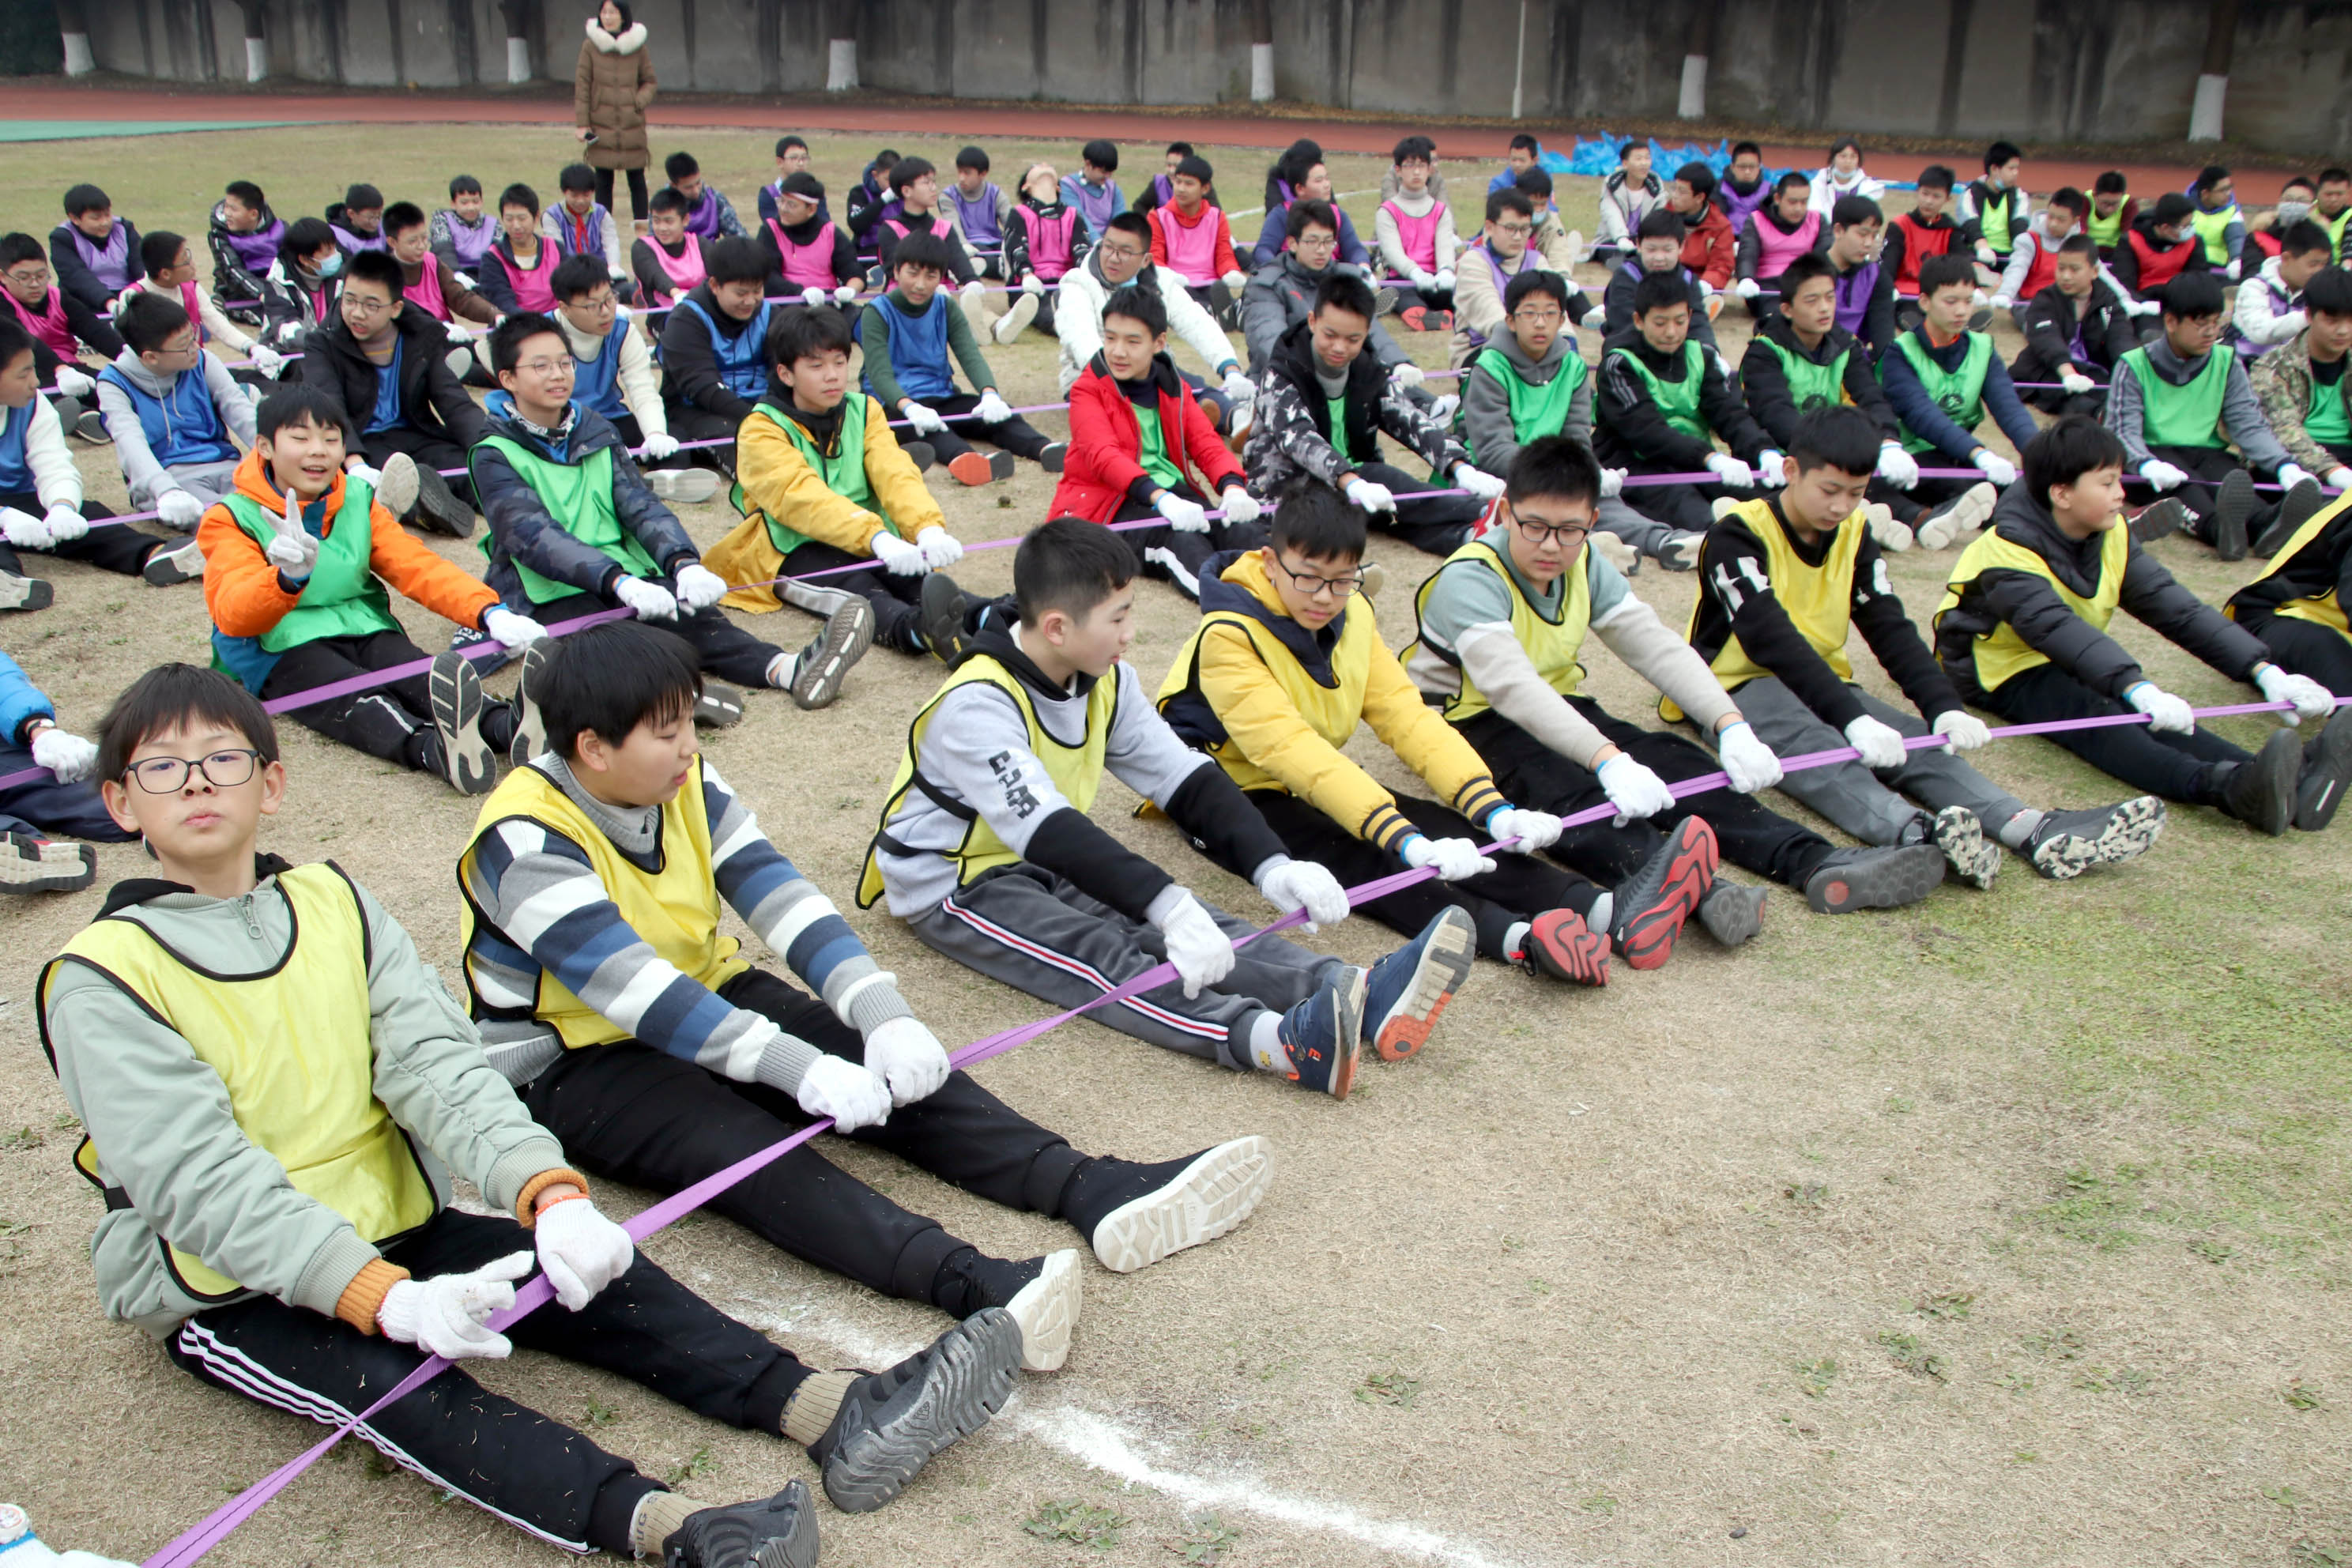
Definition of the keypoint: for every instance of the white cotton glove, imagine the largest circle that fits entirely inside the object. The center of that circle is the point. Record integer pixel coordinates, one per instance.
(1770, 471)
(1897, 467)
(816, 294)
(293, 551)
(620, 274)
(940, 548)
(2291, 475)
(1407, 375)
(457, 332)
(1234, 280)
(925, 421)
(65, 523)
(1421, 279)
(75, 383)
(2311, 700)
(581, 1250)
(1452, 859)
(2075, 382)
(178, 508)
(2164, 711)
(1477, 481)
(1305, 884)
(25, 530)
(2292, 321)
(698, 587)
(848, 1093)
(1183, 516)
(991, 409)
(1748, 763)
(1197, 945)
(2235, 270)
(898, 557)
(1595, 319)
(1532, 830)
(651, 601)
(508, 629)
(1034, 286)
(1987, 254)
(1747, 288)
(449, 1315)
(2145, 306)
(2339, 479)
(73, 759)
(1634, 790)
(267, 360)
(1370, 496)
(908, 1058)
(1734, 474)
(1241, 505)
(1444, 281)
(2162, 475)
(1881, 745)
(660, 444)
(1612, 483)
(845, 293)
(1965, 731)
(1238, 386)
(366, 473)
(2000, 302)
(1996, 468)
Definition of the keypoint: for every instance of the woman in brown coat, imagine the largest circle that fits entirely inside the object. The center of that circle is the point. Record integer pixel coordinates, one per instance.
(609, 95)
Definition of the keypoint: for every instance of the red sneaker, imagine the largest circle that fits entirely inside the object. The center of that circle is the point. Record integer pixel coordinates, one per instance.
(1561, 945)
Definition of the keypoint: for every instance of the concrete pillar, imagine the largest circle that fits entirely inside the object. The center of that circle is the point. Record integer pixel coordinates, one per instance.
(2213, 80)
(518, 61)
(75, 29)
(1261, 51)
(841, 65)
(256, 45)
(517, 13)
(1692, 104)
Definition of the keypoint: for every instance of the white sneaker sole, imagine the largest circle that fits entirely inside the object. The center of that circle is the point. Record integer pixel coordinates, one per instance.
(690, 487)
(1974, 858)
(1213, 1193)
(1047, 1309)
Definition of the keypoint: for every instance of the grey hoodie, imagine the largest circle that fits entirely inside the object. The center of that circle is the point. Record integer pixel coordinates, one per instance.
(1486, 402)
(147, 476)
(2242, 412)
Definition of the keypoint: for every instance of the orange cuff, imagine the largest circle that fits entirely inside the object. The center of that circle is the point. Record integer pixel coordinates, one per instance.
(539, 1184)
(365, 1295)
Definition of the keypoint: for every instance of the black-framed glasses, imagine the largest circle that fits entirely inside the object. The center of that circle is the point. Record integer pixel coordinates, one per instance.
(1315, 587)
(1566, 535)
(222, 770)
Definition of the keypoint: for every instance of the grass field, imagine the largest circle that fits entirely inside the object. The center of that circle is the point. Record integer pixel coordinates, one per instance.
(2009, 1229)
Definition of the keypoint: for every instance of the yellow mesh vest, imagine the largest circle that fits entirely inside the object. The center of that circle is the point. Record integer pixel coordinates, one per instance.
(2002, 654)
(1551, 646)
(1818, 599)
(2325, 610)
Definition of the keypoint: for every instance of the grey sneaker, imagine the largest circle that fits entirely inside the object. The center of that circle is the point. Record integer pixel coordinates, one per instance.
(765, 1533)
(891, 1423)
(181, 562)
(1850, 880)
(25, 592)
(467, 760)
(818, 672)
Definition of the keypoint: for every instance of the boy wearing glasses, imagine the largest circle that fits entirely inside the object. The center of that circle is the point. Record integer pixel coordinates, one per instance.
(61, 326)
(172, 407)
(1281, 294)
(1122, 255)
(277, 1095)
(1286, 663)
(615, 376)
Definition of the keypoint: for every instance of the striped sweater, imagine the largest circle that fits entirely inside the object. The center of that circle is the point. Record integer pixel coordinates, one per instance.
(543, 911)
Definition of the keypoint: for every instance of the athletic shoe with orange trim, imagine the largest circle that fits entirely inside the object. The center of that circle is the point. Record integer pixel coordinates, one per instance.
(1408, 989)
(1561, 945)
(1652, 905)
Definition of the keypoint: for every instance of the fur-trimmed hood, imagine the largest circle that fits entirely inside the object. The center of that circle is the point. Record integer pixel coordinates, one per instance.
(631, 39)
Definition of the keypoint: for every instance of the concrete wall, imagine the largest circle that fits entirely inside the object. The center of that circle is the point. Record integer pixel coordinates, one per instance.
(2032, 70)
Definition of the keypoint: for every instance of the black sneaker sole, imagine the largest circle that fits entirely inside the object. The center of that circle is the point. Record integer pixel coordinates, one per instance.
(2320, 789)
(1888, 880)
(1663, 893)
(2233, 505)
(163, 569)
(741, 1536)
(25, 592)
(1732, 913)
(1055, 457)
(2297, 509)
(438, 510)
(2159, 520)
(456, 693)
(941, 616)
(919, 452)
(719, 706)
(825, 663)
(970, 1377)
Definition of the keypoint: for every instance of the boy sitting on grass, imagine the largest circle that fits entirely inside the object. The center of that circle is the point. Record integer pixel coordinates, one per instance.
(1664, 398)
(277, 1095)
(1943, 376)
(177, 417)
(58, 799)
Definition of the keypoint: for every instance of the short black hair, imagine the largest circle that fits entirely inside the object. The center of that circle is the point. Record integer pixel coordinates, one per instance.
(608, 679)
(518, 195)
(180, 696)
(1627, 149)
(806, 331)
(1318, 521)
(1658, 290)
(2067, 450)
(1535, 280)
(1940, 273)
(1740, 147)
(883, 162)
(1196, 167)
(2110, 184)
(508, 336)
(2000, 152)
(735, 260)
(1937, 177)
(2335, 177)
(973, 157)
(1070, 564)
(292, 403)
(2172, 207)
(2211, 175)
(1840, 436)
(1699, 177)
(362, 197)
(575, 177)
(1129, 221)
(2329, 292)
(459, 185)
(1556, 465)
(86, 198)
(1535, 180)
(2072, 200)
(786, 142)
(1523, 142)
(1181, 149)
(905, 172)
(2080, 243)
(1139, 305)
(669, 199)
(2302, 236)
(575, 275)
(1419, 147)
(920, 250)
(2191, 296)
(1101, 153)
(376, 267)
(1795, 179)
(1345, 292)
(802, 184)
(1510, 199)
(303, 236)
(248, 192)
(20, 247)
(159, 249)
(680, 165)
(1848, 211)
(1802, 268)
(401, 217)
(149, 320)
(1844, 143)
(1308, 210)
(14, 339)
(1660, 223)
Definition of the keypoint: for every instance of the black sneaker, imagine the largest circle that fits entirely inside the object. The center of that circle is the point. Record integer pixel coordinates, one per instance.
(2326, 762)
(891, 1423)
(2160, 519)
(18, 593)
(1055, 455)
(2233, 503)
(1732, 912)
(1165, 1208)
(919, 452)
(2296, 509)
(1043, 1295)
(824, 664)
(942, 617)
(1850, 880)
(438, 510)
(1654, 903)
(169, 565)
(2065, 844)
(531, 724)
(467, 760)
(490, 663)
(773, 1533)
(2262, 794)
(1959, 836)
(719, 706)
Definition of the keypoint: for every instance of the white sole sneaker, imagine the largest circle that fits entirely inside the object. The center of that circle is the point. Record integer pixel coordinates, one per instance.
(1974, 858)
(691, 487)
(1959, 520)
(1010, 324)
(1047, 1309)
(397, 485)
(1212, 1195)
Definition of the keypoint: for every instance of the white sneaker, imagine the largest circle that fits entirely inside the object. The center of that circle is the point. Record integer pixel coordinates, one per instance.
(690, 486)
(1010, 324)
(1892, 536)
(396, 485)
(1956, 520)
(1616, 552)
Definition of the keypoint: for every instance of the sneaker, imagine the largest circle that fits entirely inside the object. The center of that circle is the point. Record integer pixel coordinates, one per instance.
(1405, 992)
(1680, 552)
(1957, 520)
(33, 864)
(1324, 1037)
(2262, 793)
(941, 613)
(2065, 844)
(1960, 833)
(687, 487)
(2296, 509)
(454, 688)
(1616, 551)
(1215, 1191)
(1447, 405)
(1981, 319)
(531, 724)
(91, 428)
(2160, 519)
(460, 362)
(719, 706)
(18, 593)
(438, 510)
(1046, 1307)
(1384, 300)
(1413, 317)
(1724, 505)
(396, 485)
(485, 664)
(920, 454)
(1010, 324)
(1850, 880)
(1732, 912)
(891, 1423)
(774, 1532)
(1892, 536)
(181, 562)
(1054, 458)
(1654, 903)
(1561, 945)
(1436, 320)
(818, 674)
(2233, 503)
(2326, 762)
(972, 469)
(1371, 577)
